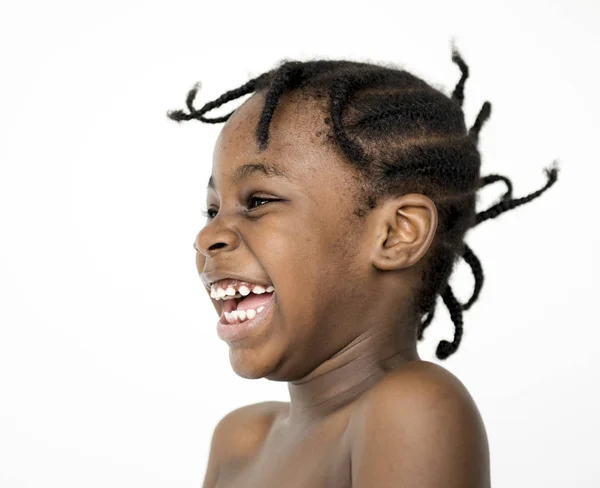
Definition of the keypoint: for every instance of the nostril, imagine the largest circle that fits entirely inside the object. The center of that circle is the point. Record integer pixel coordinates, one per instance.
(216, 246)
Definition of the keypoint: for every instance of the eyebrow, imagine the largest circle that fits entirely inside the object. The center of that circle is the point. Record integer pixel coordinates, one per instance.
(249, 169)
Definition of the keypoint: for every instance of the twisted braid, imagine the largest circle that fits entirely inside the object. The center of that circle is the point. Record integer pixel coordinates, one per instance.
(445, 348)
(475, 265)
(507, 204)
(288, 77)
(482, 117)
(459, 90)
(180, 115)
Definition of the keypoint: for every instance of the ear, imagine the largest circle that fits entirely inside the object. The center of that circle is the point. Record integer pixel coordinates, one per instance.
(402, 230)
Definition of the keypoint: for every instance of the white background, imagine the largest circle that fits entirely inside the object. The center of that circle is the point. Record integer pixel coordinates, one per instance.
(111, 372)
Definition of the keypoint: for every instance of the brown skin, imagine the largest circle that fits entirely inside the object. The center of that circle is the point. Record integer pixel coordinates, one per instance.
(342, 330)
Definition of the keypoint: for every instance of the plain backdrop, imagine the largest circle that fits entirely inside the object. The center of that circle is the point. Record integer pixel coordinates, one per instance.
(111, 371)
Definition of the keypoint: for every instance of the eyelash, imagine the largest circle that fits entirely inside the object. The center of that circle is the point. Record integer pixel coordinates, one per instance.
(206, 213)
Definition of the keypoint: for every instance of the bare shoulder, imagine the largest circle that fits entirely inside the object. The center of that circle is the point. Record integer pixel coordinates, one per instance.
(238, 435)
(242, 431)
(417, 425)
(437, 378)
(420, 381)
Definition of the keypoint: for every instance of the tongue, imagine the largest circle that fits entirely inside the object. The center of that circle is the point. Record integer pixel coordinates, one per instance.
(254, 301)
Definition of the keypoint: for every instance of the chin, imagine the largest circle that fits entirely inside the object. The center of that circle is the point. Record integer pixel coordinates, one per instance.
(249, 364)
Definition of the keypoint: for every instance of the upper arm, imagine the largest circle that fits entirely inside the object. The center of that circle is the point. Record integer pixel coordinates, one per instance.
(418, 434)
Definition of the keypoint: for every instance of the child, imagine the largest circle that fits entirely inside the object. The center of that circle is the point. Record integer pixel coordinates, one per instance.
(340, 196)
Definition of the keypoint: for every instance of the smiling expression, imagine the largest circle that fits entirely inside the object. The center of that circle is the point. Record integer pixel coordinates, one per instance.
(285, 216)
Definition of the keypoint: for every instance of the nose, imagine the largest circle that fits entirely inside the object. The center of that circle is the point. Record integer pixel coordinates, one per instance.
(215, 237)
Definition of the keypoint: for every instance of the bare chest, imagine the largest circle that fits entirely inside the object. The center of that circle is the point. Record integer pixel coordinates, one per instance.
(316, 459)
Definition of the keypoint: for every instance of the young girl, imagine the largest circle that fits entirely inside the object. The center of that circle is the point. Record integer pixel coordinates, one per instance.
(340, 196)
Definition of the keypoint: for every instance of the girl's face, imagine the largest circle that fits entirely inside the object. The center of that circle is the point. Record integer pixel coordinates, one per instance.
(290, 224)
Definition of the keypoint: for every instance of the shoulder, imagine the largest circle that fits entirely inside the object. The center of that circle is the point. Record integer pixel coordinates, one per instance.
(237, 436)
(241, 416)
(241, 431)
(419, 423)
(418, 383)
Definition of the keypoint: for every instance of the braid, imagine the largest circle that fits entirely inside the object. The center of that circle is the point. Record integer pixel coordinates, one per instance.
(475, 264)
(509, 203)
(403, 136)
(179, 115)
(458, 93)
(339, 97)
(468, 255)
(445, 348)
(482, 117)
(506, 203)
(489, 179)
(288, 76)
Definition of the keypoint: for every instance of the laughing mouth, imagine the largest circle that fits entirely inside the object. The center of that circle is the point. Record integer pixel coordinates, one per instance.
(242, 300)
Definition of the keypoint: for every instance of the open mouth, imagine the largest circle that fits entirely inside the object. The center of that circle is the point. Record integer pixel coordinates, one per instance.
(241, 300)
(242, 308)
(238, 323)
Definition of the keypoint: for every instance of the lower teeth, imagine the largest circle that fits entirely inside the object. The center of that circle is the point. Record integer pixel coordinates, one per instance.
(238, 316)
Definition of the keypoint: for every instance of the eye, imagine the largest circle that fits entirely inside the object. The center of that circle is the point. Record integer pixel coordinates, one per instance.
(258, 199)
(211, 213)
(208, 213)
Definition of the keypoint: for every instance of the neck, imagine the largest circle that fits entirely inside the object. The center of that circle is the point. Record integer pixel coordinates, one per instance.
(350, 372)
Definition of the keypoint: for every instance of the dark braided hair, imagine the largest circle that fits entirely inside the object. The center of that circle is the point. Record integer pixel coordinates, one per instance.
(402, 136)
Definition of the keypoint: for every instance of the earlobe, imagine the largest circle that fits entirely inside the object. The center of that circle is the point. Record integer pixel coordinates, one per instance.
(404, 230)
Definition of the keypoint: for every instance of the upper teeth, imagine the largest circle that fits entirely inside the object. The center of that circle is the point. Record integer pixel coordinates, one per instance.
(229, 293)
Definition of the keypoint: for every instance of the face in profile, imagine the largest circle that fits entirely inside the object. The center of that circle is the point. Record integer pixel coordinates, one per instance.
(291, 225)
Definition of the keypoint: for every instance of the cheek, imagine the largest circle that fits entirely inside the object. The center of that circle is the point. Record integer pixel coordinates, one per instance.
(200, 260)
(307, 262)
(293, 257)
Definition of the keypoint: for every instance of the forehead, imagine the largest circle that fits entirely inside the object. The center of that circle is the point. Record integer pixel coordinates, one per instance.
(299, 143)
